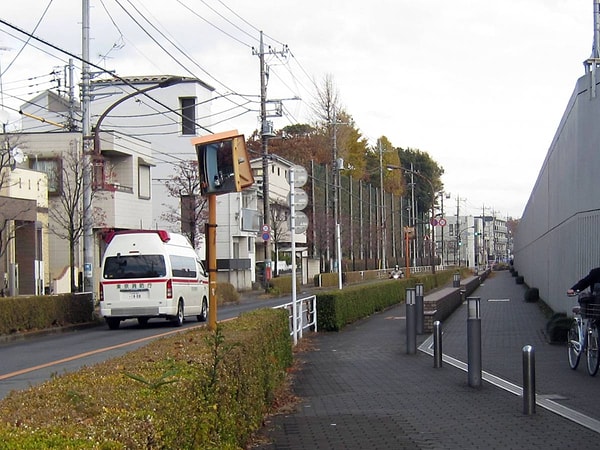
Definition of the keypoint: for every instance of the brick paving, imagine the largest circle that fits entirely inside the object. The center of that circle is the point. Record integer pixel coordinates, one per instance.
(360, 390)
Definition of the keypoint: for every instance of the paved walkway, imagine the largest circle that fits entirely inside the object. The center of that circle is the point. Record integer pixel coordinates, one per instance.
(359, 388)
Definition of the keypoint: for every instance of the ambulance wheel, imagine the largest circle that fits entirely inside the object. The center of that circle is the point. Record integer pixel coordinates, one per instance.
(204, 311)
(178, 319)
(113, 323)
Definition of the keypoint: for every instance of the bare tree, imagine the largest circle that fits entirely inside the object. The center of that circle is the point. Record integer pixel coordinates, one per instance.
(68, 216)
(192, 214)
(280, 214)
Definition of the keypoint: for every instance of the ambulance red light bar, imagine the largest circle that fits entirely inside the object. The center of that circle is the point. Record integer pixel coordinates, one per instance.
(163, 234)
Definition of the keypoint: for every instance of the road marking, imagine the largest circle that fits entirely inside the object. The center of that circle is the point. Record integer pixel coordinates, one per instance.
(93, 352)
(544, 401)
(498, 300)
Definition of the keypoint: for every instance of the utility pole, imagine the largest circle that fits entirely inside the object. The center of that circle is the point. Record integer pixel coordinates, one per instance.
(266, 133)
(383, 219)
(88, 237)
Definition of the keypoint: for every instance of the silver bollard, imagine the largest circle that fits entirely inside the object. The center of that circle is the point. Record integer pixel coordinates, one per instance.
(474, 341)
(437, 344)
(419, 307)
(528, 380)
(456, 280)
(411, 322)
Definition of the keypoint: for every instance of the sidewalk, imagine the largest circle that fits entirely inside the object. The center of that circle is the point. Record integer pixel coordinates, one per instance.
(360, 390)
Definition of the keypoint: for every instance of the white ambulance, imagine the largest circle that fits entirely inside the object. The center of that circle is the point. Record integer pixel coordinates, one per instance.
(151, 273)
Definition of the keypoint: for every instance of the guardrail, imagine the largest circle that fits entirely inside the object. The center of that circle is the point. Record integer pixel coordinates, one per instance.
(302, 314)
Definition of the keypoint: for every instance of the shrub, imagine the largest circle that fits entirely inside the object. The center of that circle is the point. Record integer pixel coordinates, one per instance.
(557, 328)
(532, 295)
(194, 389)
(226, 293)
(337, 308)
(43, 311)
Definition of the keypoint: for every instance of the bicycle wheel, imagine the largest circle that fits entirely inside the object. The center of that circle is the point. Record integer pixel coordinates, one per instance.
(573, 345)
(593, 355)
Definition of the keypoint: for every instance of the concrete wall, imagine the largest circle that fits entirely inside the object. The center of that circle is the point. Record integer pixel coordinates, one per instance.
(557, 241)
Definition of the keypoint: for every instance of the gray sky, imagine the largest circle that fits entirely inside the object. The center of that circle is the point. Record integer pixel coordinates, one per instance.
(481, 86)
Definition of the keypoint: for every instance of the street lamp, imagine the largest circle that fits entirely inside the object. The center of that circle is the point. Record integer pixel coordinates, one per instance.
(87, 210)
(433, 197)
(163, 84)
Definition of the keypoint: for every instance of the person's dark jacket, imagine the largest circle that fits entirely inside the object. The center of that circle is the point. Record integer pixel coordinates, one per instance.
(589, 280)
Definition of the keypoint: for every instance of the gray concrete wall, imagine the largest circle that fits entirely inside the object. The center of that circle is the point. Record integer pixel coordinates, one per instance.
(558, 239)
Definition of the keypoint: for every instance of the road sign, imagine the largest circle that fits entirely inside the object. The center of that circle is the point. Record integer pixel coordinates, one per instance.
(433, 222)
(266, 236)
(442, 222)
(265, 228)
(300, 176)
(300, 199)
(301, 222)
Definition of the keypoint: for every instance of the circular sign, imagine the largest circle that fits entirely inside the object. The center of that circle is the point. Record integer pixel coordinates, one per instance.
(442, 222)
(266, 228)
(300, 199)
(301, 222)
(300, 176)
(266, 236)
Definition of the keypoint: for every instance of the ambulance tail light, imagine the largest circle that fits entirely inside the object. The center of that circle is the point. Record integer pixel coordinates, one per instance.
(169, 288)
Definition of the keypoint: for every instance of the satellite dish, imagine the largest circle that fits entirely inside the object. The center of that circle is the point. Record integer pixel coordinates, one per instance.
(18, 155)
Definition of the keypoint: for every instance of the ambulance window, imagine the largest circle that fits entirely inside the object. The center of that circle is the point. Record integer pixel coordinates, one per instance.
(138, 266)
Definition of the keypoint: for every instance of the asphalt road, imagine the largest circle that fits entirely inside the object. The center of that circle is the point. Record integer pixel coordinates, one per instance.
(34, 360)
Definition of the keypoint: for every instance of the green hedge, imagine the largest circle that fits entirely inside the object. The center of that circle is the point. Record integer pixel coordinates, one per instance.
(335, 309)
(39, 312)
(283, 284)
(194, 389)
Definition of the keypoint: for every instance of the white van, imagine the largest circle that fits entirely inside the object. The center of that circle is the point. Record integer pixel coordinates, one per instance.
(151, 273)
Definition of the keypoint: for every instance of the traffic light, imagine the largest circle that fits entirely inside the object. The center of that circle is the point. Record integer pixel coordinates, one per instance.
(223, 163)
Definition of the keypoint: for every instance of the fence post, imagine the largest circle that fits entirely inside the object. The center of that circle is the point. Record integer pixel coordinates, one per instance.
(411, 322)
(528, 380)
(419, 307)
(437, 344)
(474, 341)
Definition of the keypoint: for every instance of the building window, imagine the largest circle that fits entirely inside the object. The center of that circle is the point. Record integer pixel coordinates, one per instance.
(144, 181)
(52, 168)
(188, 113)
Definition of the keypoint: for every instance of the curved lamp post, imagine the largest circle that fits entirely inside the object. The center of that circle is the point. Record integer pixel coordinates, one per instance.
(163, 84)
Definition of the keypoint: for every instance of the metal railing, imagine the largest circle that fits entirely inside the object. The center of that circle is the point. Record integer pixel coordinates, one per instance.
(302, 314)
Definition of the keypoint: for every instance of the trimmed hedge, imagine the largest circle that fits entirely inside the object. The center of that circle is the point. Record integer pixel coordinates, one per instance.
(45, 311)
(335, 309)
(194, 389)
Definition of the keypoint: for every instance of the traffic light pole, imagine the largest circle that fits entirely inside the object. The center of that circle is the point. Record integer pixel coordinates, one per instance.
(211, 259)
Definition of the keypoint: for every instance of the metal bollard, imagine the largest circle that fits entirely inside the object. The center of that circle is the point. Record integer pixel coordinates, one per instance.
(411, 322)
(528, 380)
(474, 341)
(456, 280)
(437, 344)
(419, 307)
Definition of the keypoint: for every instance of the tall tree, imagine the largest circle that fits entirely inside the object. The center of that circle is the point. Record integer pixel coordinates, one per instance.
(68, 217)
(192, 214)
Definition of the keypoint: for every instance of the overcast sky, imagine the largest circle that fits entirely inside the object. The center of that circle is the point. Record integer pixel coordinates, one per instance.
(479, 85)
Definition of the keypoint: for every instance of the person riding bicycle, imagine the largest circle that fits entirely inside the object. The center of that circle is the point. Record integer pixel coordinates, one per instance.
(591, 279)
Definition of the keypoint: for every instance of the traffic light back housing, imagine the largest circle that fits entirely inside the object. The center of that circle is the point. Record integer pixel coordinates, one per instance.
(223, 163)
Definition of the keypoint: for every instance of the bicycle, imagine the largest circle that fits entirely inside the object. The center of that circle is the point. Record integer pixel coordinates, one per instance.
(583, 335)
